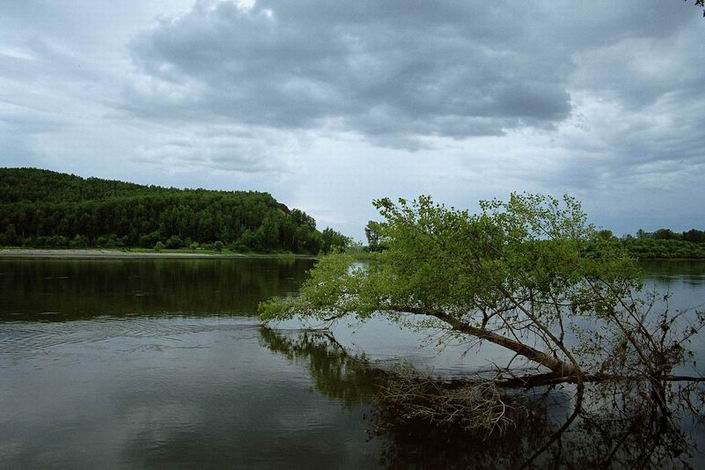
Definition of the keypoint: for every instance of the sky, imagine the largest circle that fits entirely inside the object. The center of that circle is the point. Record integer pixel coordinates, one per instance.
(328, 105)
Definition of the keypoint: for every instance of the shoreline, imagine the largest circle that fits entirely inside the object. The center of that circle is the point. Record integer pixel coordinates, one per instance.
(97, 253)
(114, 253)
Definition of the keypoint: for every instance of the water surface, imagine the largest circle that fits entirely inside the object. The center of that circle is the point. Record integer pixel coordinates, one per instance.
(152, 363)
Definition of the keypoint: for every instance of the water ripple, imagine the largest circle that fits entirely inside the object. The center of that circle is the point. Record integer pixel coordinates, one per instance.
(41, 337)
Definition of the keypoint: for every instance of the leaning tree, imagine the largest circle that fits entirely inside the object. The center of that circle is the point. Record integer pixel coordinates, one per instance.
(530, 275)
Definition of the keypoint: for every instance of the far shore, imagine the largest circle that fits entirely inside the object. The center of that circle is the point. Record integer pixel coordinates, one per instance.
(117, 253)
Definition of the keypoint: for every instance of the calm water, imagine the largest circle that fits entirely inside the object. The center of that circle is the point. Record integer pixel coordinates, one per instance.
(159, 363)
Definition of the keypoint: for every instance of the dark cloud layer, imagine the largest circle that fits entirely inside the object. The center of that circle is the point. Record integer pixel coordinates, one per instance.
(391, 70)
(320, 101)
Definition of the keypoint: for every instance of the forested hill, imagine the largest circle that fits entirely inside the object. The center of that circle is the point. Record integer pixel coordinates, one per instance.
(42, 208)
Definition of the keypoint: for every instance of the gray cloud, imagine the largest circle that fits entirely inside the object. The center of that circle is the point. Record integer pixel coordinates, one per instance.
(393, 71)
(396, 72)
(320, 102)
(220, 148)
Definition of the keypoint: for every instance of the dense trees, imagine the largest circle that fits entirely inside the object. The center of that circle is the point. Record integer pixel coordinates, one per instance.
(665, 243)
(651, 248)
(375, 241)
(48, 209)
(332, 241)
(692, 235)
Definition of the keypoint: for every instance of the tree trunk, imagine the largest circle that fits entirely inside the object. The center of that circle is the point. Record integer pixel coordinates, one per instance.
(558, 367)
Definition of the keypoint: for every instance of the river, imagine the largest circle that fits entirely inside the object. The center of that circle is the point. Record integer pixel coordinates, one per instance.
(160, 363)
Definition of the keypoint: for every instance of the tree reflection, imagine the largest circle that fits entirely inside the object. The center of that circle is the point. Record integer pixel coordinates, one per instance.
(336, 374)
(616, 425)
(83, 289)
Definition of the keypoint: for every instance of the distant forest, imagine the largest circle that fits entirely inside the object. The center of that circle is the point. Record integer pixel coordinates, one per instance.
(41, 208)
(665, 243)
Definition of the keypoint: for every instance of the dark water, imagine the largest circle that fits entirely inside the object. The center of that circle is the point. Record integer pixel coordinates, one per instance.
(159, 363)
(59, 290)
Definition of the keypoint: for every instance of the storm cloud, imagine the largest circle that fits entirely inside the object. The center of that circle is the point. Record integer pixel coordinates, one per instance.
(330, 104)
(393, 71)
(397, 69)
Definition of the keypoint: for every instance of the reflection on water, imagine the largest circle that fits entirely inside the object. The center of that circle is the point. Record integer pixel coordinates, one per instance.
(165, 392)
(51, 289)
(675, 271)
(618, 425)
(127, 383)
(685, 280)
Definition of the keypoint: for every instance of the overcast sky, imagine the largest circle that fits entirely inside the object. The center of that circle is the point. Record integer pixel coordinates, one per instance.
(330, 104)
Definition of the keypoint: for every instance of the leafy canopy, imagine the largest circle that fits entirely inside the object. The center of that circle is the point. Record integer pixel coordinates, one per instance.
(516, 266)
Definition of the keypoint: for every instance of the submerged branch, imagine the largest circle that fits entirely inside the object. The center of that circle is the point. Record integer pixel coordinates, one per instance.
(539, 380)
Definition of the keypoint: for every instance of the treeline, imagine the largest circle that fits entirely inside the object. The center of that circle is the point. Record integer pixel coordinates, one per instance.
(692, 235)
(665, 243)
(651, 248)
(40, 208)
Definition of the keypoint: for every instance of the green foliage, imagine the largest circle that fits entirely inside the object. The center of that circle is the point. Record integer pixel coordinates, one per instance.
(78, 242)
(174, 242)
(9, 237)
(373, 233)
(606, 234)
(453, 264)
(521, 274)
(218, 246)
(665, 234)
(664, 243)
(40, 208)
(334, 242)
(692, 235)
(652, 248)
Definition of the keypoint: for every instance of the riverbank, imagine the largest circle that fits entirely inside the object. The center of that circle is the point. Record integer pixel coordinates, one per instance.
(113, 253)
(649, 248)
